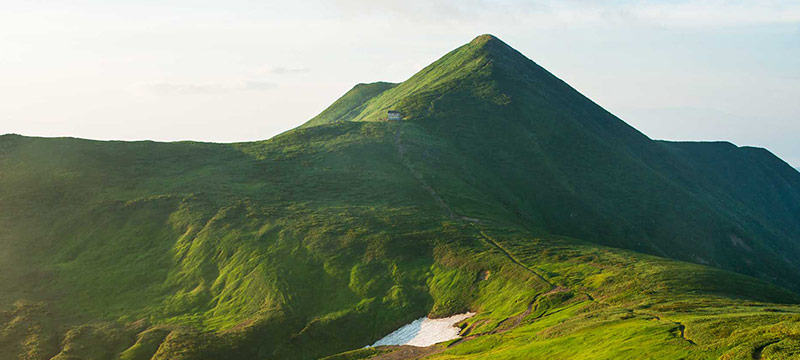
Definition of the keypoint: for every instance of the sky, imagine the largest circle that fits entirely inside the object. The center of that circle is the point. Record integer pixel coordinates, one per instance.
(240, 70)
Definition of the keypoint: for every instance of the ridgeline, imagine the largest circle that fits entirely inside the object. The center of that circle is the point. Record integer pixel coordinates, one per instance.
(601, 243)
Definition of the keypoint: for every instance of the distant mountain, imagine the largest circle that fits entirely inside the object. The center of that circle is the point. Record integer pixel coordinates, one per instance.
(501, 191)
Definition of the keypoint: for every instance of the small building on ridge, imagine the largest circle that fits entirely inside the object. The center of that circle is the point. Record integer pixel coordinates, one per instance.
(395, 115)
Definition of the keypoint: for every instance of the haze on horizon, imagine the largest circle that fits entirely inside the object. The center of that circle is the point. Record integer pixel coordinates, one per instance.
(247, 70)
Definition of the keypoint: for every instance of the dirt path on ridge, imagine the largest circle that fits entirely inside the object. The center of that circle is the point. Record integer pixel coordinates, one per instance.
(401, 151)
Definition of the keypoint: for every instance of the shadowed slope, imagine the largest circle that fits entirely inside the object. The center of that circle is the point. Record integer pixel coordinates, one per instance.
(530, 150)
(328, 237)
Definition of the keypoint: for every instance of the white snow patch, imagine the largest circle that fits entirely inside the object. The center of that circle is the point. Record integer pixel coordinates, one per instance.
(425, 331)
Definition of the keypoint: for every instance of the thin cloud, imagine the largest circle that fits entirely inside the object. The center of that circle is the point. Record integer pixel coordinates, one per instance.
(284, 70)
(257, 86)
(714, 13)
(717, 13)
(175, 88)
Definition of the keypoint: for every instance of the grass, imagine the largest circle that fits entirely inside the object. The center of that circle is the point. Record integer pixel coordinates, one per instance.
(325, 238)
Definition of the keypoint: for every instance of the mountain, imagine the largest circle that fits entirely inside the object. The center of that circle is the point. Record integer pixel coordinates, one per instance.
(545, 157)
(350, 104)
(502, 191)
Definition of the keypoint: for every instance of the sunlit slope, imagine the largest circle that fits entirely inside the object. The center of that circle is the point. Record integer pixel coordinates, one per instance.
(350, 104)
(207, 237)
(327, 237)
(313, 242)
(539, 154)
(212, 236)
(613, 304)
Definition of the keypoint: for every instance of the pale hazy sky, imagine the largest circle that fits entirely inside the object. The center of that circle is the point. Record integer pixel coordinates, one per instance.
(245, 70)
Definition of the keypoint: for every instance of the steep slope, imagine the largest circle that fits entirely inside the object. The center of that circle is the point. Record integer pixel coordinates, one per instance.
(290, 249)
(212, 236)
(547, 158)
(327, 237)
(753, 177)
(350, 104)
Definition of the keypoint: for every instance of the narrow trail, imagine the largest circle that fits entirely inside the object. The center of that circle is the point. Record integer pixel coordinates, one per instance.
(511, 257)
(401, 151)
(511, 322)
(500, 328)
(408, 352)
(518, 319)
(514, 321)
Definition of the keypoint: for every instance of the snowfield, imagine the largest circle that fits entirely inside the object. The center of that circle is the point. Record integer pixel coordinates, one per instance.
(425, 331)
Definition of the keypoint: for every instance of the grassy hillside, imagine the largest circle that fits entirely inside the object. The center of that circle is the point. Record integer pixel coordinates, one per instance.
(211, 235)
(198, 266)
(325, 238)
(509, 140)
(350, 104)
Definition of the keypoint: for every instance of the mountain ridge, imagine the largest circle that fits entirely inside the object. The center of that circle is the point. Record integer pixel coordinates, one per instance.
(503, 191)
(551, 115)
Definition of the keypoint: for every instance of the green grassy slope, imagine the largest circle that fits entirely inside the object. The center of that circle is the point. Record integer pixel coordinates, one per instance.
(212, 235)
(753, 176)
(350, 104)
(260, 275)
(529, 149)
(327, 237)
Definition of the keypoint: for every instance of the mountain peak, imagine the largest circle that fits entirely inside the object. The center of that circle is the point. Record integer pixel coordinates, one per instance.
(493, 45)
(483, 39)
(475, 69)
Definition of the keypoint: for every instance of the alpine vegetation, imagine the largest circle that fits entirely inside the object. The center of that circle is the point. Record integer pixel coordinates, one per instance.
(482, 184)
